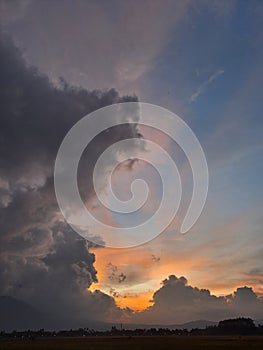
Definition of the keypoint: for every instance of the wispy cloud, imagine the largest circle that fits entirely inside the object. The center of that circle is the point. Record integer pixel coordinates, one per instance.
(204, 85)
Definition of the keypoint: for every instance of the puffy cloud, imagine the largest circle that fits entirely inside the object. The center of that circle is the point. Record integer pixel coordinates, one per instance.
(178, 302)
(245, 302)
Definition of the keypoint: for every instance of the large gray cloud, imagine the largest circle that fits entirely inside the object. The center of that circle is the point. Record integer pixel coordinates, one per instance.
(57, 282)
(42, 261)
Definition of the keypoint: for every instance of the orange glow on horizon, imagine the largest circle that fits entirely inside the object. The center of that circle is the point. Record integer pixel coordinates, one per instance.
(137, 302)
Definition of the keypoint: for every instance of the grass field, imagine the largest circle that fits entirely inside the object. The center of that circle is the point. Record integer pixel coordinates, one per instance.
(138, 343)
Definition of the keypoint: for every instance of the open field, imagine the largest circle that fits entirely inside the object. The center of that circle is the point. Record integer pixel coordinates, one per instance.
(143, 343)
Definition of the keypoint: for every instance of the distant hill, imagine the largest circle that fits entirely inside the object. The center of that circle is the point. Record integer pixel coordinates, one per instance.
(189, 325)
(17, 315)
(196, 324)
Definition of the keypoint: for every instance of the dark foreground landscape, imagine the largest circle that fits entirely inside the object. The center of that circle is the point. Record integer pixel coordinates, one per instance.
(238, 333)
(144, 343)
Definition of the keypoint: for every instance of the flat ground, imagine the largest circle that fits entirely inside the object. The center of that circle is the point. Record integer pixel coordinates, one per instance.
(138, 343)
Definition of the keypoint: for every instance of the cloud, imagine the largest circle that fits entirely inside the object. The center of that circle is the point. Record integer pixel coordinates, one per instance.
(155, 258)
(42, 260)
(178, 302)
(201, 89)
(114, 274)
(81, 34)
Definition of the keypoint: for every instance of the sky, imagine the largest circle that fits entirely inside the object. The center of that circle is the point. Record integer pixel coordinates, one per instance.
(203, 60)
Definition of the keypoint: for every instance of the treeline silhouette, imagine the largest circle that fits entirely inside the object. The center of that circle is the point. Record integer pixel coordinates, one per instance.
(236, 326)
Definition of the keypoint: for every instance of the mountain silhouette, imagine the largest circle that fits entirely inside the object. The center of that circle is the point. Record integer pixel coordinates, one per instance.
(17, 315)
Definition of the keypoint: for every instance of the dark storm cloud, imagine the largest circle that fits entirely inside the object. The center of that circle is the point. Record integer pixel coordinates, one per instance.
(42, 260)
(36, 116)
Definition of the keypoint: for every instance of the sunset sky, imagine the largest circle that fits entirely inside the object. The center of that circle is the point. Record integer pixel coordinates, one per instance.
(203, 60)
